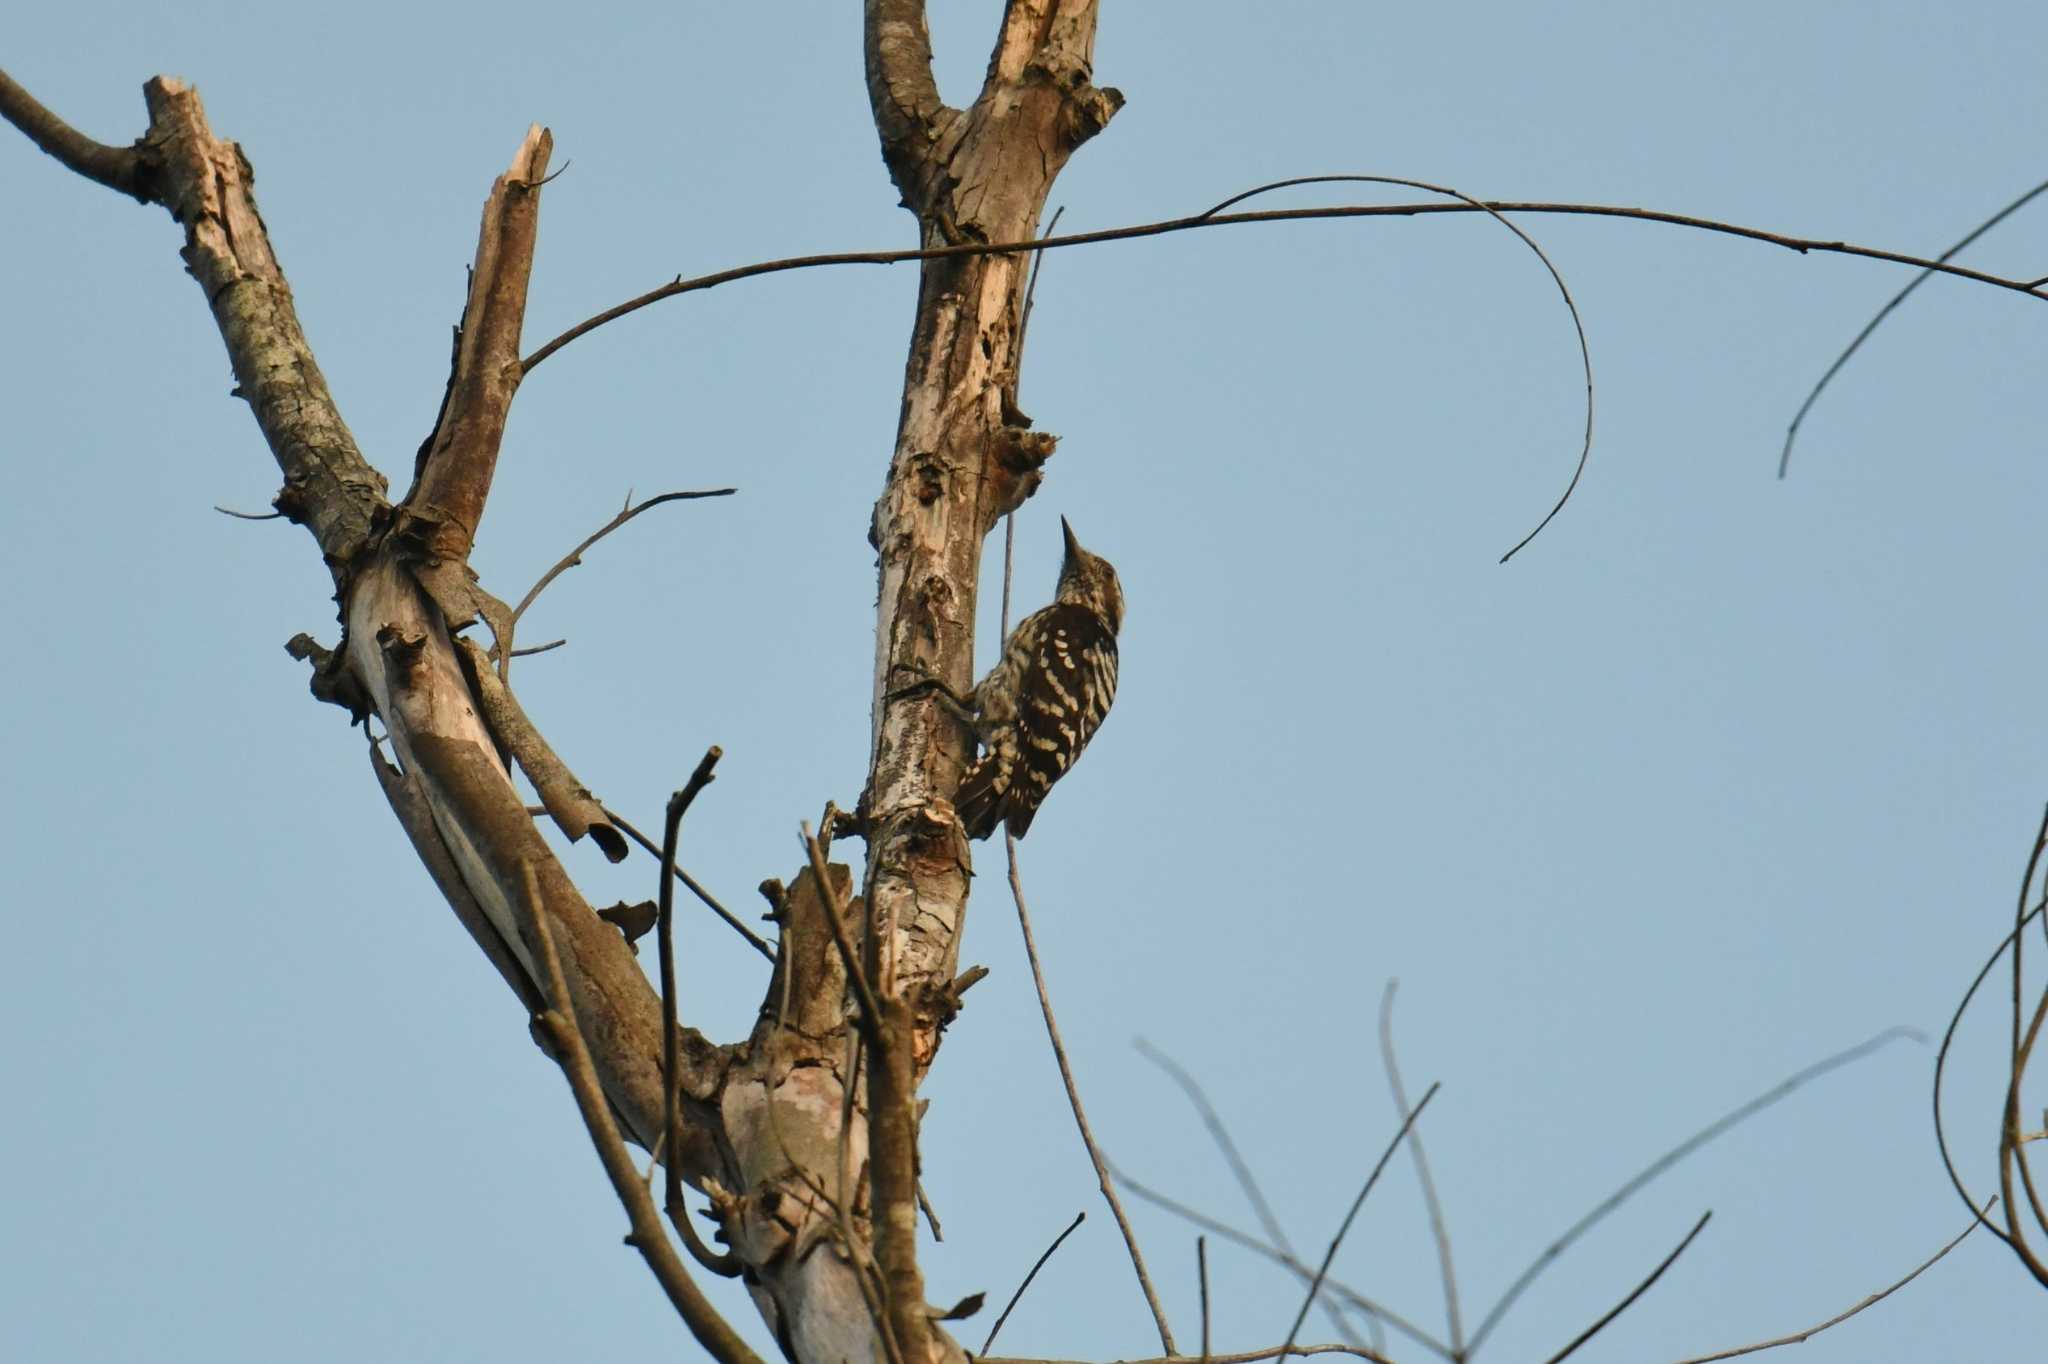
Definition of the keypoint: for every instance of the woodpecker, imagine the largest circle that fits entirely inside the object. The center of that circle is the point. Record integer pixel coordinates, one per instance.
(1042, 702)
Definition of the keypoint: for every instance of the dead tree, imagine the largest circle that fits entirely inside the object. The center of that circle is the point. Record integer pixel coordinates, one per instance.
(803, 1134)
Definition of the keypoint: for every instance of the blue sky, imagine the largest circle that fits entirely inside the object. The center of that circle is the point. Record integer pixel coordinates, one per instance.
(1720, 775)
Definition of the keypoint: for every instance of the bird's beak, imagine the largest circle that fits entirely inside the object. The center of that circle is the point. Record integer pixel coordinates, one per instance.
(1073, 545)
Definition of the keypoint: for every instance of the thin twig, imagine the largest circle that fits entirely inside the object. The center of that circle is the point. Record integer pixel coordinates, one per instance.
(1059, 1051)
(1039, 1264)
(710, 1329)
(1797, 1336)
(1285, 1261)
(690, 884)
(627, 513)
(1792, 431)
(1344, 1227)
(1438, 1230)
(575, 556)
(664, 926)
(1734, 1117)
(230, 511)
(1582, 1337)
(1802, 245)
(1030, 298)
(1202, 1284)
(1220, 1134)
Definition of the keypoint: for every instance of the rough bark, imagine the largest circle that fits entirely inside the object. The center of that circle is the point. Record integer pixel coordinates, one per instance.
(964, 457)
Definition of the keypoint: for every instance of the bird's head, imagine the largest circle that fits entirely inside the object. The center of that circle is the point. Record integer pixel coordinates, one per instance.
(1088, 580)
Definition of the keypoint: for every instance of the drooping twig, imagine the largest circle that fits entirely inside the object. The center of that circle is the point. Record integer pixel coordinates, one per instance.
(1803, 245)
(1439, 1231)
(230, 511)
(1059, 1051)
(1220, 1134)
(1037, 1265)
(1582, 1337)
(1783, 1089)
(1797, 1336)
(678, 1210)
(575, 556)
(1344, 1227)
(710, 1329)
(1792, 431)
(1285, 1261)
(1578, 323)
(690, 883)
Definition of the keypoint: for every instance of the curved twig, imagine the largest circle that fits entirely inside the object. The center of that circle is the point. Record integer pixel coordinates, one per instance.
(1792, 431)
(1585, 360)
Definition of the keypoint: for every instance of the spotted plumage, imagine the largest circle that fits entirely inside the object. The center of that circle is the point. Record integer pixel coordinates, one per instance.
(1043, 701)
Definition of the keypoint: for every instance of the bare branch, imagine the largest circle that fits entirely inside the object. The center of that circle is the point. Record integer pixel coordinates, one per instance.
(1792, 431)
(1059, 1051)
(126, 169)
(711, 1330)
(909, 115)
(690, 883)
(1733, 1118)
(1438, 1230)
(1803, 245)
(1344, 1228)
(1797, 1336)
(1582, 1337)
(575, 556)
(665, 922)
(1037, 1265)
(575, 811)
(1202, 1287)
(455, 474)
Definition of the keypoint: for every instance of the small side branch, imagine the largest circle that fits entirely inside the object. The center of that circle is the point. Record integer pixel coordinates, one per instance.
(126, 169)
(575, 556)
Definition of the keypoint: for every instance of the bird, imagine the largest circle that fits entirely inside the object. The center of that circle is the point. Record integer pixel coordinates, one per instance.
(1043, 701)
